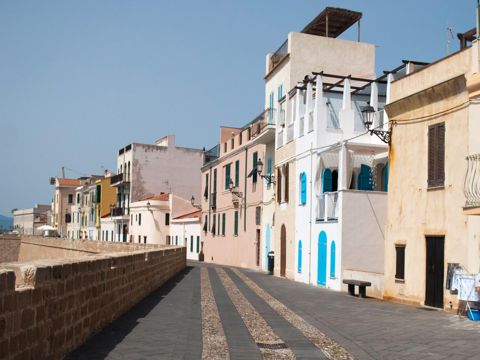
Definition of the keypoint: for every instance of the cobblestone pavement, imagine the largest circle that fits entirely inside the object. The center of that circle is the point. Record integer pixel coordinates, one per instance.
(264, 316)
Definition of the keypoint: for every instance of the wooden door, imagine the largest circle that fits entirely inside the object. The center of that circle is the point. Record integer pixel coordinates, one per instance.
(283, 250)
(434, 271)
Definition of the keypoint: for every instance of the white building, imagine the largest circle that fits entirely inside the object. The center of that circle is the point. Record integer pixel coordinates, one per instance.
(341, 178)
(185, 230)
(27, 221)
(150, 218)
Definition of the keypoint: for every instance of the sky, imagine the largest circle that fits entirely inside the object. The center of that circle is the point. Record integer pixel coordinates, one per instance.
(81, 79)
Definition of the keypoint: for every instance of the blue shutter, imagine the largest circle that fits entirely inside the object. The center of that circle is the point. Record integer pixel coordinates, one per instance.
(385, 177)
(299, 256)
(303, 188)
(365, 178)
(269, 166)
(191, 243)
(198, 244)
(227, 177)
(327, 180)
(280, 92)
(332, 259)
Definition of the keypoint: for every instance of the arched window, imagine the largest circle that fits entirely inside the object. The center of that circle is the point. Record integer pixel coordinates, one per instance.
(303, 188)
(299, 265)
(326, 180)
(332, 260)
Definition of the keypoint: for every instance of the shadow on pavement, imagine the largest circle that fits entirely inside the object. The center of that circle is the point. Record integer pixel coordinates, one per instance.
(101, 344)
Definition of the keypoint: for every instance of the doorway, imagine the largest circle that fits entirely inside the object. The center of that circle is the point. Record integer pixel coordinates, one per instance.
(258, 247)
(322, 259)
(434, 271)
(283, 250)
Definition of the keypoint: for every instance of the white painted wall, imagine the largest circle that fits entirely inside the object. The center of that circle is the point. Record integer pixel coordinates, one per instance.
(188, 233)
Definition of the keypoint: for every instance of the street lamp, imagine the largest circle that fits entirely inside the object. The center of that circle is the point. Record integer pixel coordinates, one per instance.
(233, 189)
(269, 177)
(368, 115)
(192, 201)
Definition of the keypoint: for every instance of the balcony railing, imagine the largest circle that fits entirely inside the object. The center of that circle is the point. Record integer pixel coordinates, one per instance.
(472, 181)
(327, 207)
(278, 55)
(117, 211)
(116, 179)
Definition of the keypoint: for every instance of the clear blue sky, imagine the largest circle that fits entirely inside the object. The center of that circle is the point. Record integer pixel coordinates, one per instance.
(80, 79)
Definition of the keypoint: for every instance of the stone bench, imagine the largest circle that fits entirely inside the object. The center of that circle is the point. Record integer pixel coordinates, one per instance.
(362, 285)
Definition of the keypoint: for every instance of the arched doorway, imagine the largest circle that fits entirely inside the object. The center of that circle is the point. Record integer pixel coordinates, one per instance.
(283, 250)
(322, 259)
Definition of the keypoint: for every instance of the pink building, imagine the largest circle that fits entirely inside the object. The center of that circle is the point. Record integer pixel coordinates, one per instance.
(232, 199)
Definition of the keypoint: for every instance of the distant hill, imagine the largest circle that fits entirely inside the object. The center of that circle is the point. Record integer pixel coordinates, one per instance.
(6, 222)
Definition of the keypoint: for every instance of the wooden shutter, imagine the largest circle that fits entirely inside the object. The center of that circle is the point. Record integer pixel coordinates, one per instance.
(436, 155)
(235, 228)
(400, 262)
(255, 160)
(286, 182)
(227, 177)
(224, 218)
(258, 211)
(279, 185)
(237, 172)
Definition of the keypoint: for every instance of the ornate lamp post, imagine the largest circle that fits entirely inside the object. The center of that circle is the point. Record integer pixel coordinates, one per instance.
(368, 115)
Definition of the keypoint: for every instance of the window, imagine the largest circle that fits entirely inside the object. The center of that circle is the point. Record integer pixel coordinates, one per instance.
(205, 192)
(237, 173)
(198, 244)
(400, 262)
(282, 183)
(205, 224)
(139, 219)
(191, 243)
(227, 176)
(167, 219)
(299, 264)
(144, 239)
(269, 166)
(78, 198)
(235, 223)
(224, 217)
(70, 198)
(168, 240)
(240, 139)
(218, 222)
(106, 235)
(213, 224)
(258, 212)
(68, 218)
(303, 188)
(436, 155)
(255, 159)
(232, 143)
(139, 239)
(225, 147)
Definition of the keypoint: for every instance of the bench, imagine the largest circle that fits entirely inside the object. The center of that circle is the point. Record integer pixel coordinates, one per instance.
(362, 285)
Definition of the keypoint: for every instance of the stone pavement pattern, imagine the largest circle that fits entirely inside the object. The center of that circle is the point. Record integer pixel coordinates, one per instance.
(168, 323)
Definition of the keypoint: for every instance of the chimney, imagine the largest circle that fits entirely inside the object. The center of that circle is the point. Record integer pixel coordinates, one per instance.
(166, 141)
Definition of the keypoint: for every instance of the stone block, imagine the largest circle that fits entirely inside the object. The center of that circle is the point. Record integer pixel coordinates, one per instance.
(28, 318)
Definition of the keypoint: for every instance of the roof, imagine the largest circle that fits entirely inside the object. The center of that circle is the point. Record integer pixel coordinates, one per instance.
(69, 182)
(160, 197)
(337, 19)
(196, 213)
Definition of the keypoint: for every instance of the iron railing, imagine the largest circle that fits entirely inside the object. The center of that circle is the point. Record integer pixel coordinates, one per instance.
(115, 179)
(471, 187)
(278, 55)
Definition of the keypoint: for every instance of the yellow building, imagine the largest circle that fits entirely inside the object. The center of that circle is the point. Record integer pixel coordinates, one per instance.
(105, 198)
(435, 115)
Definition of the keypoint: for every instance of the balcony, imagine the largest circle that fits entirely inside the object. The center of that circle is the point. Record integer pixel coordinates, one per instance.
(118, 179)
(471, 187)
(278, 56)
(327, 207)
(117, 211)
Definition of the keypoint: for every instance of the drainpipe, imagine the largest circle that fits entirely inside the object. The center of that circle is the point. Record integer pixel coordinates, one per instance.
(310, 219)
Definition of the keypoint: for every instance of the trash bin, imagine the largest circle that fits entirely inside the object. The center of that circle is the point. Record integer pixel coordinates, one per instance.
(270, 262)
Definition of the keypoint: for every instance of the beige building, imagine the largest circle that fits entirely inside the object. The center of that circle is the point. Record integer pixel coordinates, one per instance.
(63, 199)
(433, 196)
(27, 221)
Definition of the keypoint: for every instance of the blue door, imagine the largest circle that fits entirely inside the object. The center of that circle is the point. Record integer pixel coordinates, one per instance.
(327, 180)
(365, 178)
(322, 259)
(267, 245)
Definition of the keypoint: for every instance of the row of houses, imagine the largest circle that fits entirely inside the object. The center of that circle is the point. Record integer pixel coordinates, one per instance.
(344, 174)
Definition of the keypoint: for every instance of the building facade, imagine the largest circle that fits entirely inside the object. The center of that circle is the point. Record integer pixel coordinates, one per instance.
(432, 227)
(27, 221)
(145, 170)
(63, 199)
(185, 231)
(233, 194)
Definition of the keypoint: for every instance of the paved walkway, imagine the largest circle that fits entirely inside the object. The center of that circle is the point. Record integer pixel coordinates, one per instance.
(250, 315)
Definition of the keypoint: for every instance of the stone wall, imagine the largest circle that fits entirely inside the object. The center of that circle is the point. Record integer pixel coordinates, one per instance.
(49, 307)
(9, 248)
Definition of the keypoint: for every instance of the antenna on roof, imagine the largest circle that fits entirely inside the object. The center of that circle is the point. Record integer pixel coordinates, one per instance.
(63, 172)
(449, 36)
